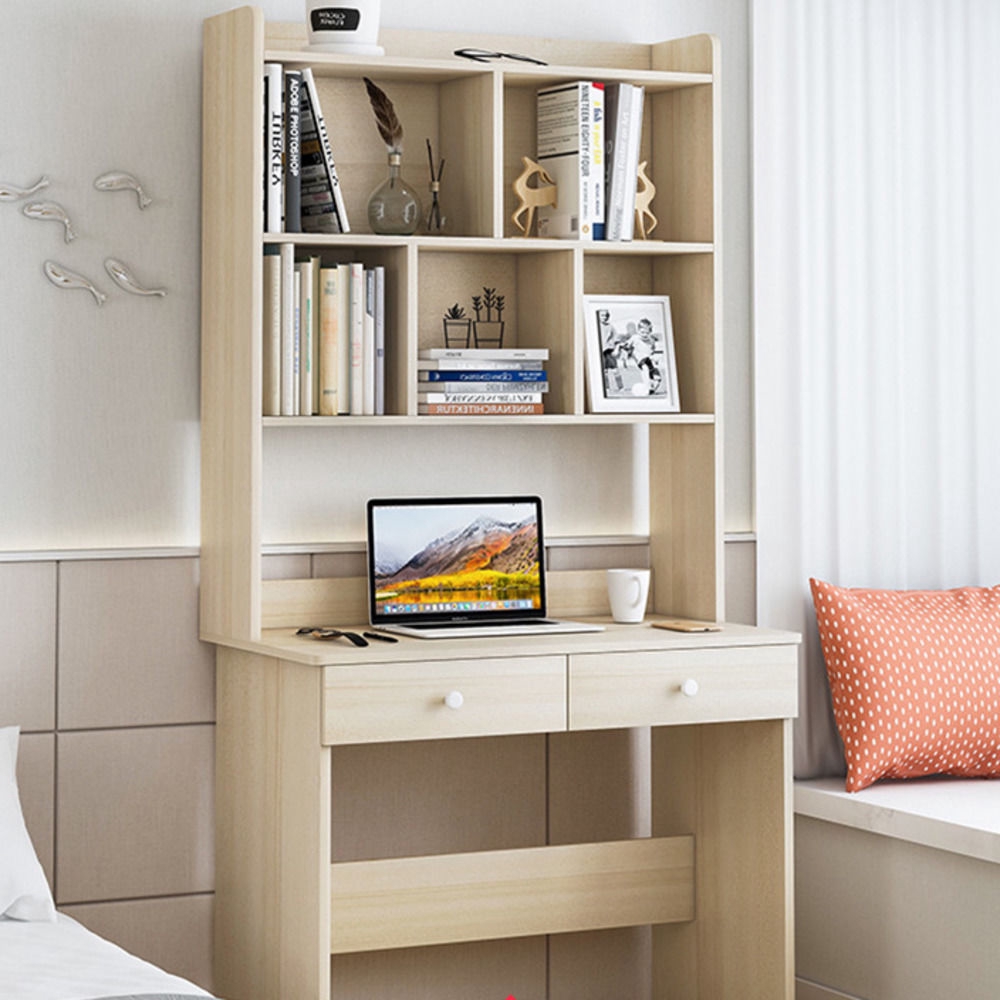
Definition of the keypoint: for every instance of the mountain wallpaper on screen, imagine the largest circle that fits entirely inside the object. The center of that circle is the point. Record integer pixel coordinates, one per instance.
(485, 550)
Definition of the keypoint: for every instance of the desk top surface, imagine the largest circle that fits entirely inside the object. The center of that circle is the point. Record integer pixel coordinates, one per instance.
(284, 643)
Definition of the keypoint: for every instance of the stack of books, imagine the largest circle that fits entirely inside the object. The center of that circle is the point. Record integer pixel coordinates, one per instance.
(588, 138)
(324, 337)
(468, 382)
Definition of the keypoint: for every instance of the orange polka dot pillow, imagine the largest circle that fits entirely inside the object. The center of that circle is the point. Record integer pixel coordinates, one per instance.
(915, 679)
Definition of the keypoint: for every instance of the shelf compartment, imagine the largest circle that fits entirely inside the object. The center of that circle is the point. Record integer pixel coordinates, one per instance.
(448, 112)
(537, 285)
(689, 280)
(406, 902)
(677, 145)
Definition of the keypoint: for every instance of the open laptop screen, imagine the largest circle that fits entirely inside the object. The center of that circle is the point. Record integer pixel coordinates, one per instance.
(455, 560)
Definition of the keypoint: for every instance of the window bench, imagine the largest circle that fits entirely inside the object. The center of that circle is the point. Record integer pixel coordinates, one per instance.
(898, 890)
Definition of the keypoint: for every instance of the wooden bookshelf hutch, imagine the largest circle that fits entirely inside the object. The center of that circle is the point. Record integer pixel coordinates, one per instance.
(586, 824)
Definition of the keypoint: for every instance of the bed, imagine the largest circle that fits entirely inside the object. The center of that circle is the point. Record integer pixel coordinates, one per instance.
(61, 960)
(46, 955)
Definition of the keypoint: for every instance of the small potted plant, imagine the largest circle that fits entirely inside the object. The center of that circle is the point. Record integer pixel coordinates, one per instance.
(456, 327)
(488, 332)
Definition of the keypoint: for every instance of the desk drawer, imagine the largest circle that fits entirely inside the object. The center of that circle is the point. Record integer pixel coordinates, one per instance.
(674, 687)
(379, 703)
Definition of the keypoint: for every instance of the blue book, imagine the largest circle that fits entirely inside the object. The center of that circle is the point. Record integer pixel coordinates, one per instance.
(494, 375)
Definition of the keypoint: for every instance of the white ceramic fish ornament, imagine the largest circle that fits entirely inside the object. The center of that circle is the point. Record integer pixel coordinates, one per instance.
(118, 180)
(11, 192)
(63, 277)
(122, 276)
(50, 211)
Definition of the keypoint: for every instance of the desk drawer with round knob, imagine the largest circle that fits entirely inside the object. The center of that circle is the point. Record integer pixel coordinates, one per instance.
(426, 700)
(675, 687)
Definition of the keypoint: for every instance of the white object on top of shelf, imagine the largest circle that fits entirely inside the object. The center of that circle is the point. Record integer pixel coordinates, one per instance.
(349, 28)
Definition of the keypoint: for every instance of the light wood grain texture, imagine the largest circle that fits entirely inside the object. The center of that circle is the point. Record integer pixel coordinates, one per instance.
(377, 704)
(409, 44)
(686, 549)
(232, 126)
(272, 901)
(496, 894)
(729, 785)
(638, 689)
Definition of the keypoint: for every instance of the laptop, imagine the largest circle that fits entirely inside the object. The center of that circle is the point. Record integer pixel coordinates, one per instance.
(459, 567)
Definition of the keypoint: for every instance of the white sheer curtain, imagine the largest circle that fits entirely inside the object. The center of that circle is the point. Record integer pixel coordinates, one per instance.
(876, 175)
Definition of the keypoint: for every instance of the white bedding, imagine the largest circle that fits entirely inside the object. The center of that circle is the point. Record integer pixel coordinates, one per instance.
(64, 961)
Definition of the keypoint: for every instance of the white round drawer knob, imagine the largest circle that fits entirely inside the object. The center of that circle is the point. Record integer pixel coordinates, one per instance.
(454, 699)
(690, 687)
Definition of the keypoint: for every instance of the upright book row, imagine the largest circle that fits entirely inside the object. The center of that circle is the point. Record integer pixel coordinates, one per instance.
(301, 188)
(588, 137)
(324, 337)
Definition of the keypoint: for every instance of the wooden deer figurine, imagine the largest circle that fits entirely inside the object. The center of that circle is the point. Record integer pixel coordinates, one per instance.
(645, 193)
(529, 198)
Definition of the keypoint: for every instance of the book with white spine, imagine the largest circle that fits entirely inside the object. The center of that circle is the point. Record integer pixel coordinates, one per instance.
(306, 346)
(323, 208)
(379, 340)
(274, 148)
(271, 356)
(289, 307)
(356, 327)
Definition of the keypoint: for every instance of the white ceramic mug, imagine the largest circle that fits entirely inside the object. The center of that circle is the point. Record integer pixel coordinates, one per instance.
(628, 590)
(344, 26)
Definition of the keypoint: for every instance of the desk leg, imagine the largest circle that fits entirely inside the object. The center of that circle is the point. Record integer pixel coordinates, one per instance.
(272, 897)
(729, 784)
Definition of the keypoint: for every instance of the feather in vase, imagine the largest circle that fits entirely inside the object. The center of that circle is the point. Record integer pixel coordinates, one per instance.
(388, 124)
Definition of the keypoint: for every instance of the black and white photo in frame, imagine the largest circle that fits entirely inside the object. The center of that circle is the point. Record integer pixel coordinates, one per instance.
(631, 367)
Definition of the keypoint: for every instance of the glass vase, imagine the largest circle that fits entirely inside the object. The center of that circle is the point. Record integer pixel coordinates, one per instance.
(394, 208)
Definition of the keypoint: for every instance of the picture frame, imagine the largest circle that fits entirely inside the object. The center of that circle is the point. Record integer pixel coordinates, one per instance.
(630, 359)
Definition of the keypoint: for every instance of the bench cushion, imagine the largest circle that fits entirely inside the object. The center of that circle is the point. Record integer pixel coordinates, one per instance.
(914, 678)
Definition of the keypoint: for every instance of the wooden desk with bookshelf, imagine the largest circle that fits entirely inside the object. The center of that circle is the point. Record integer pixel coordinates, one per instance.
(580, 826)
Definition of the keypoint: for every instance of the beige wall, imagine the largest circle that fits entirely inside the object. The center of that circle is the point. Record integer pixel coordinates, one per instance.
(115, 696)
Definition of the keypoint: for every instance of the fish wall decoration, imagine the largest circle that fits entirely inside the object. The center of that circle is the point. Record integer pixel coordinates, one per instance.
(122, 276)
(63, 277)
(11, 192)
(50, 211)
(118, 180)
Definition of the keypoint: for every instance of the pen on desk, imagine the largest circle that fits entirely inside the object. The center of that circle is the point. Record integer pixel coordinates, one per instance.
(378, 635)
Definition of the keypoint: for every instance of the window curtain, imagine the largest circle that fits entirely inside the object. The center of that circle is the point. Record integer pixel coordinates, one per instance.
(876, 214)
